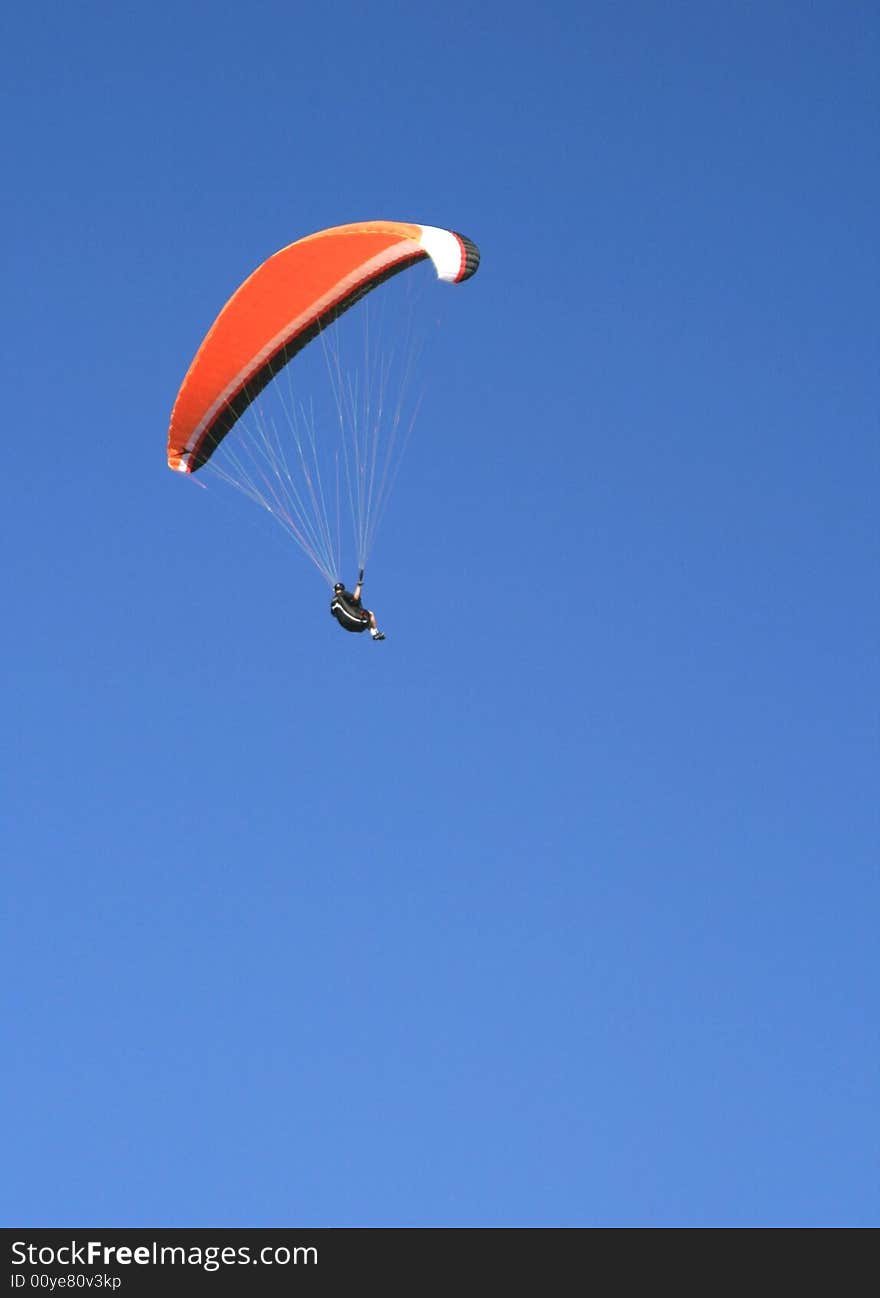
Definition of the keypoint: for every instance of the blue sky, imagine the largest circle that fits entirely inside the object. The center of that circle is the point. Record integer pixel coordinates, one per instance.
(559, 908)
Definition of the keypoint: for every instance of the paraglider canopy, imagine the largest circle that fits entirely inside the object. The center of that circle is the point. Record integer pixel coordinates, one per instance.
(282, 306)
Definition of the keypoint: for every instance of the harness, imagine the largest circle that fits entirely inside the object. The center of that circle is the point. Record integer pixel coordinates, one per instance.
(348, 615)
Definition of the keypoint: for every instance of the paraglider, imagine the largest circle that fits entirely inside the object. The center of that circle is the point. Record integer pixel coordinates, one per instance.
(302, 472)
(350, 613)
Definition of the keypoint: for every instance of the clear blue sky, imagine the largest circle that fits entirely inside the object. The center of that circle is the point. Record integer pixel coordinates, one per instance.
(560, 907)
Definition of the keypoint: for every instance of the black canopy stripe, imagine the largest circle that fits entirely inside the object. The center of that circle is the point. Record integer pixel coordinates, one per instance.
(471, 257)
